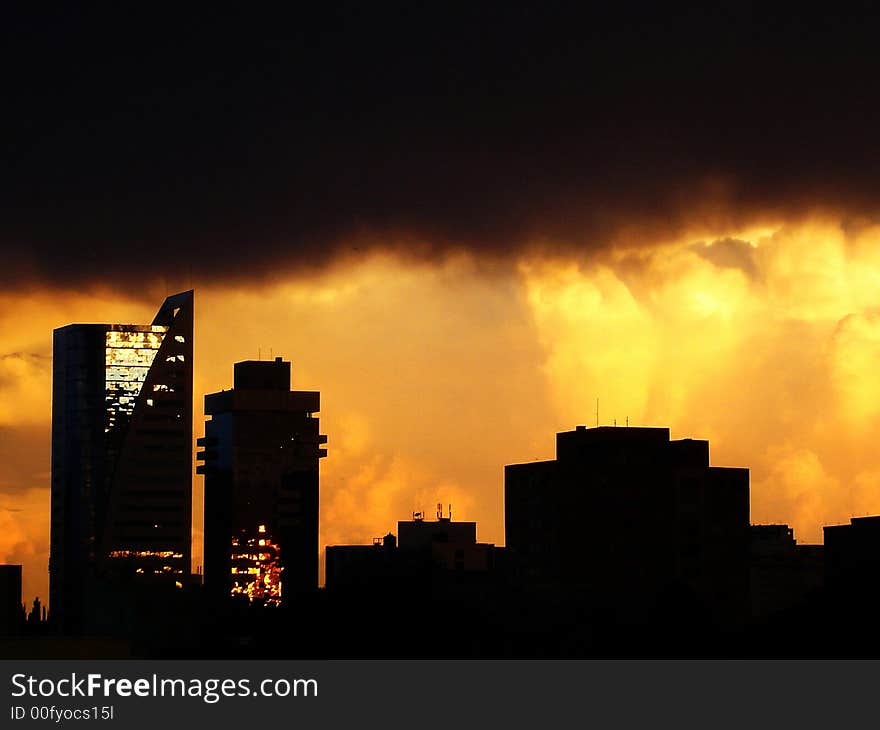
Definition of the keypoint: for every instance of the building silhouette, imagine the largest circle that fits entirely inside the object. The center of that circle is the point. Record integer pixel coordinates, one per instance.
(423, 552)
(261, 452)
(11, 610)
(852, 555)
(635, 525)
(783, 573)
(121, 507)
(348, 567)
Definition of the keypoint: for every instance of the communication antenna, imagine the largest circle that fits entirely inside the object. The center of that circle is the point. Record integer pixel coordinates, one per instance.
(627, 421)
(439, 511)
(450, 513)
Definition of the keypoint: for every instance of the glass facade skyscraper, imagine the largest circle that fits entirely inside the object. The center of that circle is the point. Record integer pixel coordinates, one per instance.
(121, 460)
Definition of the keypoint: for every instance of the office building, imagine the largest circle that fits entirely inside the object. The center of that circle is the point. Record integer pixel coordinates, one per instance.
(423, 550)
(261, 452)
(852, 555)
(782, 573)
(121, 506)
(634, 523)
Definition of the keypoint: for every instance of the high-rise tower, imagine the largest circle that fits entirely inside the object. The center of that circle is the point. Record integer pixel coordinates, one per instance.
(121, 459)
(261, 454)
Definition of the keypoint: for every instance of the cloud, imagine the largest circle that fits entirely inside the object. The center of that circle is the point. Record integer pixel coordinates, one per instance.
(247, 148)
(729, 253)
(854, 351)
(434, 375)
(780, 377)
(25, 378)
(24, 455)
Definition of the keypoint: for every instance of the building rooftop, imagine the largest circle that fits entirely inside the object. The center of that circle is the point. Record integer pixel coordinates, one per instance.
(262, 375)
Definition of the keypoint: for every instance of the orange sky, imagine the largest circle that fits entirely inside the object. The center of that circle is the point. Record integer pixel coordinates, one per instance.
(435, 375)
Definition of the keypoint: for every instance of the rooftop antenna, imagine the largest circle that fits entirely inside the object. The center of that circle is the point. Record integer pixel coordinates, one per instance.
(439, 511)
(259, 353)
(450, 513)
(615, 422)
(627, 421)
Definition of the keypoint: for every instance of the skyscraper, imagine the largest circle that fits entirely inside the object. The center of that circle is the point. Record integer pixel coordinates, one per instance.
(121, 459)
(261, 454)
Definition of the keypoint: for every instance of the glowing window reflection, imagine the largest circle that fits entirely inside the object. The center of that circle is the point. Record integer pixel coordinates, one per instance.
(256, 567)
(128, 355)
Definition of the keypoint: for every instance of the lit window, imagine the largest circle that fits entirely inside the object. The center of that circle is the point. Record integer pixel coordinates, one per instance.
(256, 571)
(179, 338)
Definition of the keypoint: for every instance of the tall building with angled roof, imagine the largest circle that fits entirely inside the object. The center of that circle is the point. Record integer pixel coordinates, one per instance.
(121, 459)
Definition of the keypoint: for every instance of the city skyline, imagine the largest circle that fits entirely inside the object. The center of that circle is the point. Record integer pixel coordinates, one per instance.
(472, 484)
(640, 539)
(464, 227)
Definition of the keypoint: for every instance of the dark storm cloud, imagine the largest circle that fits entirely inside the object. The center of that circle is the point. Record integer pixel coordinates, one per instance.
(140, 142)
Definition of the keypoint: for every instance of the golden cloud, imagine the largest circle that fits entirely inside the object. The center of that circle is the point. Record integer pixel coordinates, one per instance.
(435, 375)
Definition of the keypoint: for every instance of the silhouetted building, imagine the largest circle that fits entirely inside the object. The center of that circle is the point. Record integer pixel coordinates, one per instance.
(350, 566)
(852, 555)
(634, 523)
(11, 612)
(783, 573)
(427, 551)
(452, 545)
(261, 454)
(121, 460)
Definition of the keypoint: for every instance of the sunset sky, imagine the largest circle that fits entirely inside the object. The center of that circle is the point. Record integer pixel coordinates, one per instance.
(463, 230)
